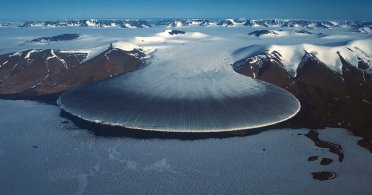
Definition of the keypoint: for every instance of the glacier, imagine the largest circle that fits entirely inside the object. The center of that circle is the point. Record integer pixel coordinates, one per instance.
(194, 70)
(188, 86)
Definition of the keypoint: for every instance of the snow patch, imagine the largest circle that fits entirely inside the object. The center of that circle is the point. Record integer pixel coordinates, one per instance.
(93, 52)
(55, 56)
(290, 56)
(1, 65)
(164, 40)
(125, 46)
(91, 22)
(30, 52)
(15, 54)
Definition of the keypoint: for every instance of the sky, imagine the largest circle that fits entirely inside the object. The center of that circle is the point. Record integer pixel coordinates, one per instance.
(19, 10)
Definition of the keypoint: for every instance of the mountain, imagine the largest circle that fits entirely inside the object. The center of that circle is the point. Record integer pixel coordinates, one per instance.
(364, 29)
(304, 32)
(185, 23)
(328, 98)
(88, 23)
(265, 23)
(176, 32)
(231, 22)
(177, 23)
(43, 72)
(4, 24)
(259, 33)
(62, 37)
(262, 23)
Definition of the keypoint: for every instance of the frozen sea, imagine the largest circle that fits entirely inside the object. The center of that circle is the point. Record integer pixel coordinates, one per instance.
(41, 155)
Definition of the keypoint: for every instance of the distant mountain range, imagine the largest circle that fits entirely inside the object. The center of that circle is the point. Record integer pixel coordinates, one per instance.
(4, 24)
(358, 26)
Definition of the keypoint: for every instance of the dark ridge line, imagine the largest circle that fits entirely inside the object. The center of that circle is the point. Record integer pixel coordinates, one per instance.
(334, 148)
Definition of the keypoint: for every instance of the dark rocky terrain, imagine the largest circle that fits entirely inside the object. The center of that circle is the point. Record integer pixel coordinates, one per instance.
(62, 37)
(328, 99)
(176, 32)
(303, 32)
(44, 72)
(258, 33)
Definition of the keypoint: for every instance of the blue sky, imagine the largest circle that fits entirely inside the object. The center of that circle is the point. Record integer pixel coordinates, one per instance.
(77, 9)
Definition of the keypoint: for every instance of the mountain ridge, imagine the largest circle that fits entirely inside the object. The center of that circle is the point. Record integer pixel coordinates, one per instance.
(174, 23)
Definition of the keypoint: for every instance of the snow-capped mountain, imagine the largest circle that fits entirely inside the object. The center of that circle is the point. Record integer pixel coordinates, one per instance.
(265, 23)
(88, 23)
(339, 96)
(356, 26)
(185, 23)
(231, 22)
(355, 53)
(4, 24)
(261, 23)
(177, 24)
(259, 33)
(364, 29)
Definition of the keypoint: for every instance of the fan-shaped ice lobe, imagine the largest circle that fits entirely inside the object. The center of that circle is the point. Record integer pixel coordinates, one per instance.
(188, 86)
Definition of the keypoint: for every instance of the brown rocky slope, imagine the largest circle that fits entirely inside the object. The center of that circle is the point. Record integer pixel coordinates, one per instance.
(328, 98)
(45, 72)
